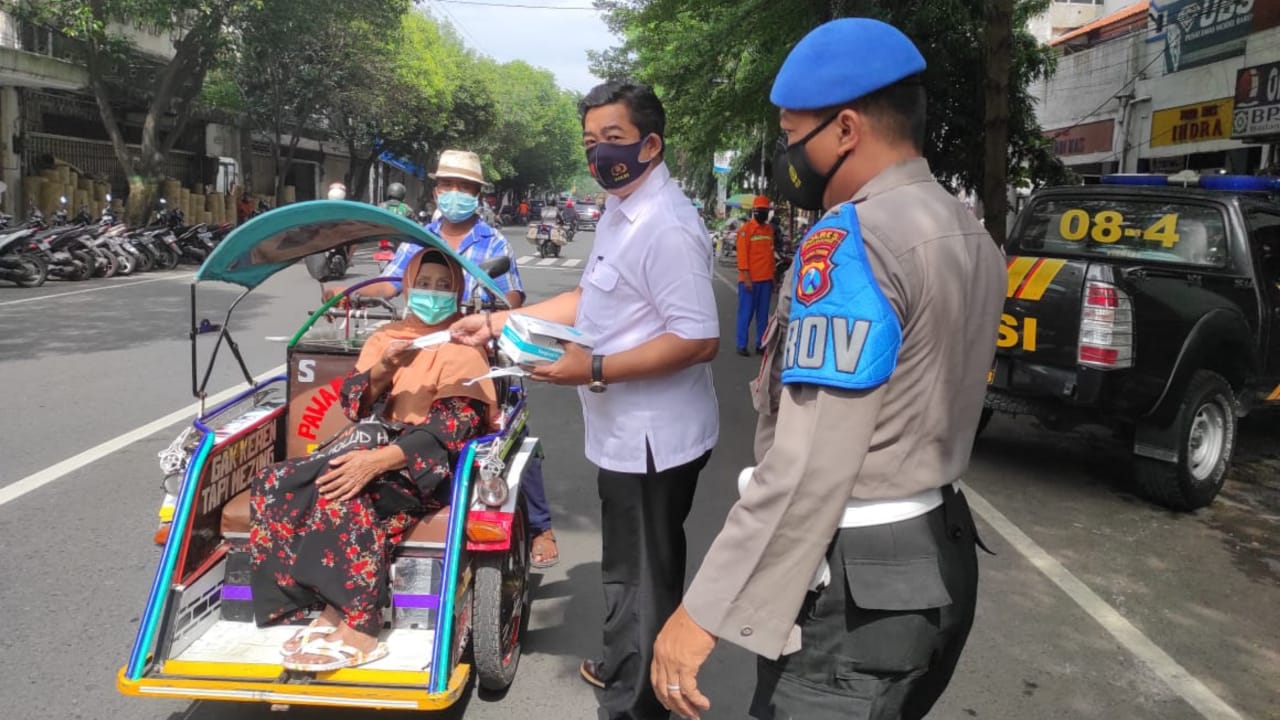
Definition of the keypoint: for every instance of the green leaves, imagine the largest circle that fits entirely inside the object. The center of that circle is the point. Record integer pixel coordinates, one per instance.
(713, 62)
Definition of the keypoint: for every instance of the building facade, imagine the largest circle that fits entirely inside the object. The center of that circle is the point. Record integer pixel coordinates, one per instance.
(1168, 86)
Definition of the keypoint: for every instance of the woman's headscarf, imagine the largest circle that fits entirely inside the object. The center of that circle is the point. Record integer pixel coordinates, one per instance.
(438, 371)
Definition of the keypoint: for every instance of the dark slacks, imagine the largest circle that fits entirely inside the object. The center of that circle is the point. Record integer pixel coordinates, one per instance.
(642, 564)
(881, 640)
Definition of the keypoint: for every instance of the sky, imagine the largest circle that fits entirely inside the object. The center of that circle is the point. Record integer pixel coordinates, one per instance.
(556, 40)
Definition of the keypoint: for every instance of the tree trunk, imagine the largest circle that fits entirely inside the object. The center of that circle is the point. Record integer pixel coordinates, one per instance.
(998, 62)
(143, 194)
(246, 156)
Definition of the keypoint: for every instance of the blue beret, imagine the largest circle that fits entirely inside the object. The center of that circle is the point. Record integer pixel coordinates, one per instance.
(841, 61)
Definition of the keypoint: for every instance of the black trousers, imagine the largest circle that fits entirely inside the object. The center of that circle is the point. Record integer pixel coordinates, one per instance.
(642, 564)
(881, 640)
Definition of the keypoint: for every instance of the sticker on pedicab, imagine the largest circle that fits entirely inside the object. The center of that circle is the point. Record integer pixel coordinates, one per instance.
(842, 332)
(229, 471)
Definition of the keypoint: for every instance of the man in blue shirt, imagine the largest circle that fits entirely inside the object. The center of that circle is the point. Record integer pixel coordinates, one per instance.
(459, 182)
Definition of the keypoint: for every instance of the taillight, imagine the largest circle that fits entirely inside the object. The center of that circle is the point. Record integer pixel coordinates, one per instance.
(1106, 327)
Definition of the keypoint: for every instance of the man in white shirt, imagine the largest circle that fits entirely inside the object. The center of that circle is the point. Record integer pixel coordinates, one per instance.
(649, 407)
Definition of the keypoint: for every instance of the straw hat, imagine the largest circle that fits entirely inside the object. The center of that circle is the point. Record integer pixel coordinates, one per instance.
(461, 164)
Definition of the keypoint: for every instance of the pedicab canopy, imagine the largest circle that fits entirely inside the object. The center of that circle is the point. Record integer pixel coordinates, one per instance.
(277, 239)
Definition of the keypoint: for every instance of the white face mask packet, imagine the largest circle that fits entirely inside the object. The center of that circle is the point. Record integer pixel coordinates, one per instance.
(431, 339)
(513, 371)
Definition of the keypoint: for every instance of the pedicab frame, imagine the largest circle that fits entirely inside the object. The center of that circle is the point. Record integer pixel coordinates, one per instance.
(248, 256)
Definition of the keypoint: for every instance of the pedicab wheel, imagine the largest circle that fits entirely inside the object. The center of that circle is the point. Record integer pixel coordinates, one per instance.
(501, 604)
(36, 271)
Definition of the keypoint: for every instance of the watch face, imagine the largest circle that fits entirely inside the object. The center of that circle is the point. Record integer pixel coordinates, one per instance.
(597, 387)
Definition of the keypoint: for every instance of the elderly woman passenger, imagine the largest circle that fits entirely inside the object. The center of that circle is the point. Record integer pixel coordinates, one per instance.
(324, 526)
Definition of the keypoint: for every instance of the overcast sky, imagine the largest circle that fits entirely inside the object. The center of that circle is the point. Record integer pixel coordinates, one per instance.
(556, 40)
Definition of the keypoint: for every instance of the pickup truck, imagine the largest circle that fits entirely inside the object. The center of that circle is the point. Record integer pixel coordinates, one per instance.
(1149, 304)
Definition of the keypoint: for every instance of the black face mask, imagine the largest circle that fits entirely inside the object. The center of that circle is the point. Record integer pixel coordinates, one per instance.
(796, 177)
(761, 216)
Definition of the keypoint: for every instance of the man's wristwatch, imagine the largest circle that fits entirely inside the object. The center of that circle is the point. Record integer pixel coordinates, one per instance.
(597, 384)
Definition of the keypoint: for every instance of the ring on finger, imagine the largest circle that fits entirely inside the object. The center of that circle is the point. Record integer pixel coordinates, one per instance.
(673, 688)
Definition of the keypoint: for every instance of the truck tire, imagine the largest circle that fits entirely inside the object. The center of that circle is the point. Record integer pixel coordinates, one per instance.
(1206, 436)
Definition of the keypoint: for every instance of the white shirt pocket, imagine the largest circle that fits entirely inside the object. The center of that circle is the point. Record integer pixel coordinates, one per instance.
(603, 276)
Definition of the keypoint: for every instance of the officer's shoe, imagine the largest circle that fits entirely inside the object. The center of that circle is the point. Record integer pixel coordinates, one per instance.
(593, 672)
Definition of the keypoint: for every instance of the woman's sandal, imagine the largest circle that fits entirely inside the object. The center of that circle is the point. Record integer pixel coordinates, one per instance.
(544, 553)
(304, 636)
(341, 656)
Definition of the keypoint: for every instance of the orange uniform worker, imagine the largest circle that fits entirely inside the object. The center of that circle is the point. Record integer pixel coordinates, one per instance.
(755, 274)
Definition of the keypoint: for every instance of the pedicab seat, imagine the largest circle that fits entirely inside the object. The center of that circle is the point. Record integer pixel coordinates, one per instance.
(431, 530)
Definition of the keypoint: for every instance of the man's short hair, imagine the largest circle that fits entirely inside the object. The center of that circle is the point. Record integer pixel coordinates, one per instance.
(642, 103)
(897, 110)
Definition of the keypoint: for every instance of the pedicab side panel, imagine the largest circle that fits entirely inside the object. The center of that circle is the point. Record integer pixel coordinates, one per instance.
(169, 566)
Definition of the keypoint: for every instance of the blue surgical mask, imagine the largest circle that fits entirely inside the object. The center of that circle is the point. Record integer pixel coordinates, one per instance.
(457, 206)
(433, 306)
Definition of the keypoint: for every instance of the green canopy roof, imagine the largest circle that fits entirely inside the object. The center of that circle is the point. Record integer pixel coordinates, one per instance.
(279, 238)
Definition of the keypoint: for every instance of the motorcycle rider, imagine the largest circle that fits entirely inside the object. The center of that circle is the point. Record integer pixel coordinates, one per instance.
(395, 201)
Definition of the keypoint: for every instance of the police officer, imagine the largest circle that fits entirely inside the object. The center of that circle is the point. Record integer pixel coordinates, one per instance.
(875, 374)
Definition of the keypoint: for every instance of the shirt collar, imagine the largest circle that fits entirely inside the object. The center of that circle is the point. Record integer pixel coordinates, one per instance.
(649, 188)
(907, 172)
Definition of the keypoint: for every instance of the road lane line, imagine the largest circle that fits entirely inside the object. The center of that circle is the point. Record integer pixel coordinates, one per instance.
(547, 261)
(572, 262)
(110, 286)
(526, 259)
(39, 479)
(1181, 682)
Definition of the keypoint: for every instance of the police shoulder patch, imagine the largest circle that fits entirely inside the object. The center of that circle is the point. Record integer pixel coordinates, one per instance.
(842, 331)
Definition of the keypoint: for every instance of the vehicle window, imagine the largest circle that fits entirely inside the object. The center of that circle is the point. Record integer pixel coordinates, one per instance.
(1148, 230)
(1266, 238)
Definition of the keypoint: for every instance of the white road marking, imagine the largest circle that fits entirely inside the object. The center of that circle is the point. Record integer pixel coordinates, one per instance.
(547, 261)
(526, 259)
(731, 285)
(1181, 682)
(96, 288)
(572, 262)
(39, 479)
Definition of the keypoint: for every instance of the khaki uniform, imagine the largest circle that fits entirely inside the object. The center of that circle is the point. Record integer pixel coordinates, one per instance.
(818, 446)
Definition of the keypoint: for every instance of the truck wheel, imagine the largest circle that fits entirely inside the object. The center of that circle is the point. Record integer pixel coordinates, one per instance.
(501, 607)
(1206, 427)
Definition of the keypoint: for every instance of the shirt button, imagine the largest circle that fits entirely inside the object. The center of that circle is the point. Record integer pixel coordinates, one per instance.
(746, 631)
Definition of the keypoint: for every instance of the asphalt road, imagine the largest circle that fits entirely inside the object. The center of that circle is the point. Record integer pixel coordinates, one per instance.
(1096, 604)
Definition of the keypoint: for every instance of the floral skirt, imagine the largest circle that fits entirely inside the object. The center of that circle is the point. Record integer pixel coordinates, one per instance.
(308, 551)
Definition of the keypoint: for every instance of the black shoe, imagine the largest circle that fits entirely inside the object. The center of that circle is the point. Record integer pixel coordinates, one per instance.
(759, 350)
(743, 352)
(592, 673)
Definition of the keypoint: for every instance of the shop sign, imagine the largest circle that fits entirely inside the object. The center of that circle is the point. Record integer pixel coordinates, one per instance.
(1257, 107)
(1198, 32)
(1200, 122)
(1094, 137)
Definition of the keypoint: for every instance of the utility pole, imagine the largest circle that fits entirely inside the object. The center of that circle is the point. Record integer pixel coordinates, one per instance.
(997, 59)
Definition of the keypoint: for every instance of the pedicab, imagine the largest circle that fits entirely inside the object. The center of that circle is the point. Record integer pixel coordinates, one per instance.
(458, 590)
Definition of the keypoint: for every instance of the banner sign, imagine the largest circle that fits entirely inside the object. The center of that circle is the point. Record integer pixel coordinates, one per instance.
(1257, 107)
(1094, 137)
(1195, 123)
(1198, 32)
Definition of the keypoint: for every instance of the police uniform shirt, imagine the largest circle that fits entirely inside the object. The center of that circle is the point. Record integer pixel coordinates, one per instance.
(941, 280)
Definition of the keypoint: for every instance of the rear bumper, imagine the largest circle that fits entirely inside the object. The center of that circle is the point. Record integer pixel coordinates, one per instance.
(1021, 387)
(375, 693)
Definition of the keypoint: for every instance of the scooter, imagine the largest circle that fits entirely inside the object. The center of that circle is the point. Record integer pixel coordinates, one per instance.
(18, 261)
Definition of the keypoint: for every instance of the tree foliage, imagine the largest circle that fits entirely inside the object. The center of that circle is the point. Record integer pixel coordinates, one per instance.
(713, 61)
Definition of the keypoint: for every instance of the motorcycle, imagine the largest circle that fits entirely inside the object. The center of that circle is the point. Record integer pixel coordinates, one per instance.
(18, 263)
(60, 247)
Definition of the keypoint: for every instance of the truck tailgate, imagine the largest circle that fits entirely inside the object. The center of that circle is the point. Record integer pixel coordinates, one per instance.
(1041, 319)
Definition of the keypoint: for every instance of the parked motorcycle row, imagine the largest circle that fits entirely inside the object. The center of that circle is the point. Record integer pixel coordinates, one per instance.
(78, 248)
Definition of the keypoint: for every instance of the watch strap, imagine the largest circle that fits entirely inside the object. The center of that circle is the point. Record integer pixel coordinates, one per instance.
(597, 368)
